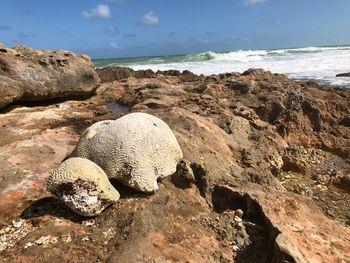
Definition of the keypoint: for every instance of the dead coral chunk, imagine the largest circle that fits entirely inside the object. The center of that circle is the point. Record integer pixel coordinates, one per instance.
(83, 186)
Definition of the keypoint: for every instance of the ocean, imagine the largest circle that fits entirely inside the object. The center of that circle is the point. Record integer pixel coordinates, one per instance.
(317, 63)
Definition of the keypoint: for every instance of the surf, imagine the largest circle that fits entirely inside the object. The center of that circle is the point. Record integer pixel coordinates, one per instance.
(321, 64)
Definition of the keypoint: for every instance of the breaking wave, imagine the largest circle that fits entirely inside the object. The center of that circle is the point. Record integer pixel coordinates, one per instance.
(317, 63)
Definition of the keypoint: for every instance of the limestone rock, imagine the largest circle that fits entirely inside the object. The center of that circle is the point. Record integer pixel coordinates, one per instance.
(223, 150)
(137, 149)
(83, 186)
(108, 74)
(32, 75)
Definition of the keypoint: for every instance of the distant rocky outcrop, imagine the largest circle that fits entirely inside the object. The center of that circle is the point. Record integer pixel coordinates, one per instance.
(343, 74)
(109, 74)
(33, 75)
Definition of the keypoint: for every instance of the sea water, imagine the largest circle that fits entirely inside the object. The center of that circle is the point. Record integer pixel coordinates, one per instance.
(317, 63)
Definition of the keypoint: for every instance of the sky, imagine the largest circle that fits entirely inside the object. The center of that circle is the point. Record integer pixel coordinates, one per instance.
(124, 28)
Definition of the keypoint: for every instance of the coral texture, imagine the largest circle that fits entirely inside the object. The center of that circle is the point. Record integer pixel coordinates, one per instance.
(137, 149)
(83, 186)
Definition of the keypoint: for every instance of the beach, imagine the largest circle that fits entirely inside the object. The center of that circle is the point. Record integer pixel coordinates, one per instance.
(263, 175)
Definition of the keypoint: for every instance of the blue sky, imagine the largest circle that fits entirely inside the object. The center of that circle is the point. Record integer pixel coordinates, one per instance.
(122, 28)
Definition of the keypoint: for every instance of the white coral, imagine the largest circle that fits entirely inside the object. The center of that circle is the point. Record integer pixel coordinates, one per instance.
(136, 149)
(83, 186)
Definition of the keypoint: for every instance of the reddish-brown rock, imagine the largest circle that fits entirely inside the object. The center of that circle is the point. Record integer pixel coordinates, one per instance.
(260, 181)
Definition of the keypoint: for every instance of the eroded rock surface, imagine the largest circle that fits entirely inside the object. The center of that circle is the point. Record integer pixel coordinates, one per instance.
(264, 176)
(37, 75)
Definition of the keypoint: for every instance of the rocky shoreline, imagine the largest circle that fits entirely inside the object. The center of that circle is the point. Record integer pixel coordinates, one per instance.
(265, 178)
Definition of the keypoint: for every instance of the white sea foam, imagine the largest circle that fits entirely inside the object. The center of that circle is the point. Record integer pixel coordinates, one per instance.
(317, 63)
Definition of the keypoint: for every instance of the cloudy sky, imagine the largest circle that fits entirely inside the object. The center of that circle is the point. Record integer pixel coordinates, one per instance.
(122, 28)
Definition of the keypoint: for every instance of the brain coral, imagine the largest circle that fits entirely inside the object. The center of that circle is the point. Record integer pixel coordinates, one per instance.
(83, 186)
(136, 149)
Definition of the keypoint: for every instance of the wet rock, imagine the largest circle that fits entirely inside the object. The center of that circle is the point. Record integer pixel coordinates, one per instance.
(343, 75)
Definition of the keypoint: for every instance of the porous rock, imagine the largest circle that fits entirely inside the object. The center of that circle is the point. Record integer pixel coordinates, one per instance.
(136, 149)
(37, 75)
(83, 186)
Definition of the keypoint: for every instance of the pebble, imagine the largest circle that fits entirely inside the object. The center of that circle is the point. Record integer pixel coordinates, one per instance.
(54, 240)
(60, 106)
(44, 240)
(17, 223)
(309, 193)
(90, 222)
(330, 213)
(235, 248)
(85, 239)
(67, 239)
(238, 219)
(239, 213)
(29, 244)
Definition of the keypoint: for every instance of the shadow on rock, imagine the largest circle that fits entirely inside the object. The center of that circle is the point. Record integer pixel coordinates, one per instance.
(188, 173)
(262, 234)
(45, 102)
(127, 192)
(178, 181)
(53, 207)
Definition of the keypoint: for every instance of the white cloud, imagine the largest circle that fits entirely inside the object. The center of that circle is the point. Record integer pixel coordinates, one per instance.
(100, 12)
(114, 45)
(253, 2)
(149, 19)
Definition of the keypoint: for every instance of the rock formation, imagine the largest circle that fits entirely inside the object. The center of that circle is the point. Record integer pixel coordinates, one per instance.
(137, 149)
(264, 178)
(83, 186)
(37, 75)
(343, 74)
